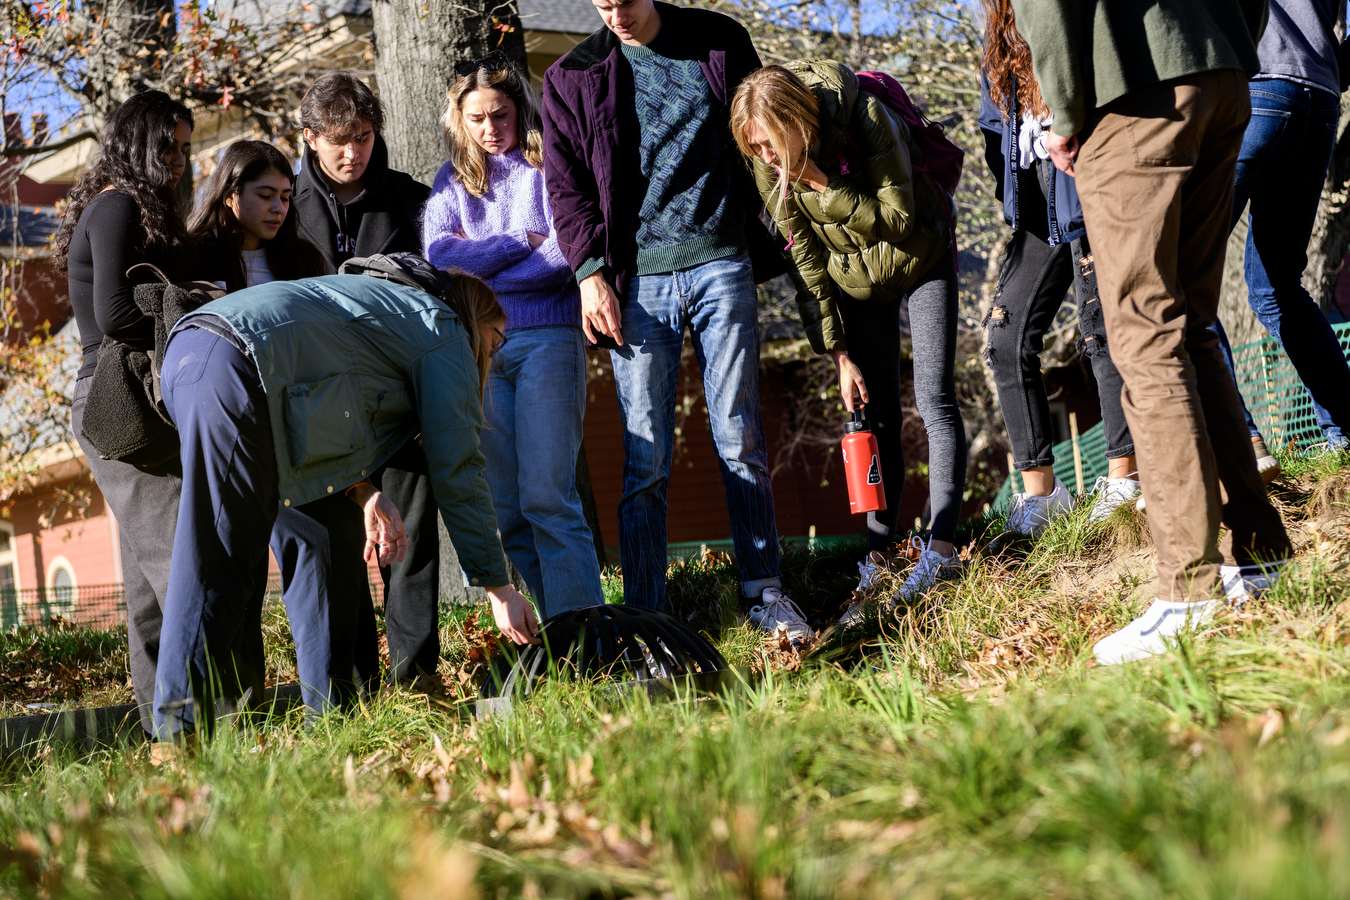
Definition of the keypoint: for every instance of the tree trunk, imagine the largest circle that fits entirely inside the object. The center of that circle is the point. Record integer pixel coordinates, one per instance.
(153, 26)
(416, 47)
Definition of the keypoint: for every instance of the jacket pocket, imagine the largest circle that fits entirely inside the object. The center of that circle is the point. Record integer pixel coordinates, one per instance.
(323, 419)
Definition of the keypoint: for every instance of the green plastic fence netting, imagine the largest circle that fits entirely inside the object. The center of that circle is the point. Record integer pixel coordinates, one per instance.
(1270, 387)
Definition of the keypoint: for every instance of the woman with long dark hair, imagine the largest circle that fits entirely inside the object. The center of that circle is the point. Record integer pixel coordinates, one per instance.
(121, 213)
(1048, 253)
(244, 228)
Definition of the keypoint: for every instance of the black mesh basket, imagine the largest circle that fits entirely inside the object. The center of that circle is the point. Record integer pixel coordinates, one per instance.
(622, 642)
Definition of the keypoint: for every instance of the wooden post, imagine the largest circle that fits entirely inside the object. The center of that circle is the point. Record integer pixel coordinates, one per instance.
(1272, 406)
(1077, 453)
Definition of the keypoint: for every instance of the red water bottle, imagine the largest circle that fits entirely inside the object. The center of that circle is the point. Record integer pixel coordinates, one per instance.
(862, 465)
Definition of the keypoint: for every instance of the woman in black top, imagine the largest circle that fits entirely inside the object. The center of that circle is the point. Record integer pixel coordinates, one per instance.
(244, 228)
(123, 212)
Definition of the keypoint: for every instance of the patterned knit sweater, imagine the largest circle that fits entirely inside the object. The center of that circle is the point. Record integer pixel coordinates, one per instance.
(535, 287)
(688, 217)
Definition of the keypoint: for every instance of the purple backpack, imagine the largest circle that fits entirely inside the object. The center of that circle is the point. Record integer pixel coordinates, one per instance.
(942, 159)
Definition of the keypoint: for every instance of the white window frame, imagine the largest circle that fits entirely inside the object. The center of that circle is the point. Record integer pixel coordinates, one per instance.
(60, 562)
(11, 555)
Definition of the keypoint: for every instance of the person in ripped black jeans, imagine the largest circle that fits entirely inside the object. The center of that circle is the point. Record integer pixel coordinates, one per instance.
(1049, 251)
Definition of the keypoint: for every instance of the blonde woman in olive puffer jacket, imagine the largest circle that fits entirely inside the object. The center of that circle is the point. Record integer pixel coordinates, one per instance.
(864, 231)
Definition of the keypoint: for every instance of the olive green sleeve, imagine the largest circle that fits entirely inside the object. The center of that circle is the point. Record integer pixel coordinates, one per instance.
(816, 291)
(1054, 31)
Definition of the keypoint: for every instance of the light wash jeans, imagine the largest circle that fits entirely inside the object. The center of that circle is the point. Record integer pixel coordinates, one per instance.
(532, 409)
(716, 302)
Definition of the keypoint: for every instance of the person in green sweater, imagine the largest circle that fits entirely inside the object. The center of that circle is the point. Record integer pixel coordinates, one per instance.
(1150, 103)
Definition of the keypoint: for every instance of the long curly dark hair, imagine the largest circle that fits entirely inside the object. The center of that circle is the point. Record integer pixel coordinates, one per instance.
(1007, 55)
(131, 160)
(289, 256)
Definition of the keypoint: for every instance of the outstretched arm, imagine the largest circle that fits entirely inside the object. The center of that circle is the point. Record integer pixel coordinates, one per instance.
(1054, 31)
(444, 381)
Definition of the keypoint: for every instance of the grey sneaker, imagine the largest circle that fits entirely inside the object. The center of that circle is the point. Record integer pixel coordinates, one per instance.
(779, 616)
(1323, 448)
(926, 572)
(854, 615)
(1111, 495)
(1031, 514)
(871, 569)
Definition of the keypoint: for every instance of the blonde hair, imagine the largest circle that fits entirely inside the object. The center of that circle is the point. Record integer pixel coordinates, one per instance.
(469, 160)
(477, 307)
(782, 104)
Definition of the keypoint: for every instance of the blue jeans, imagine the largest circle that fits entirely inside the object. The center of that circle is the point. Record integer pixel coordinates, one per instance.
(716, 302)
(532, 409)
(1281, 168)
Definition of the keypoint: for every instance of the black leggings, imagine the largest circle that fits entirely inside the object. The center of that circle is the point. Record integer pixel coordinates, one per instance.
(412, 587)
(872, 331)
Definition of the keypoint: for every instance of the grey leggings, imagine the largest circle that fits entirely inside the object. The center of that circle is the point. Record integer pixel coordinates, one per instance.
(872, 332)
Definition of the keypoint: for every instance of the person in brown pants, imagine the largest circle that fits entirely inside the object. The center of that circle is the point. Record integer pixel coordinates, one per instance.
(1153, 143)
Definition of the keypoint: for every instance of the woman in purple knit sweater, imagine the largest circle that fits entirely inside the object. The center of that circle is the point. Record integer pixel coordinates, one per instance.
(489, 216)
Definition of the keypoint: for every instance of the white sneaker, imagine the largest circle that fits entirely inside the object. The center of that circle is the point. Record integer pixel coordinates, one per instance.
(1145, 636)
(1111, 495)
(1031, 514)
(923, 576)
(871, 569)
(1323, 448)
(853, 615)
(1243, 583)
(780, 616)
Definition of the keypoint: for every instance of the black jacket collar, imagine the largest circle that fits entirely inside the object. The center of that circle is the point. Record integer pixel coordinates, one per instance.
(372, 179)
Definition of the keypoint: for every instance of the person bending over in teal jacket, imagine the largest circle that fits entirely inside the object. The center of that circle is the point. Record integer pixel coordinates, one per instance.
(292, 391)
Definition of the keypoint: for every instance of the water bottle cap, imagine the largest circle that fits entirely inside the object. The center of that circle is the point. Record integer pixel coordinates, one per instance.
(858, 423)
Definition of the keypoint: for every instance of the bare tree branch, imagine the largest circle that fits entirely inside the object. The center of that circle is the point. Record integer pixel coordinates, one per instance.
(70, 140)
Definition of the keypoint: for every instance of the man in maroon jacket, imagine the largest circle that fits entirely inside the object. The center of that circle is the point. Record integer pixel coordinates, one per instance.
(658, 217)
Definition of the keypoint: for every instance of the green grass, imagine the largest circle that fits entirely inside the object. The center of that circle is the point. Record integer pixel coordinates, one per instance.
(65, 668)
(967, 748)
